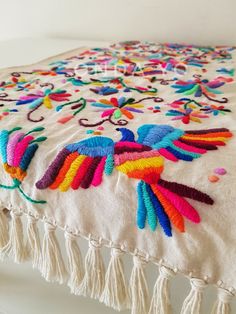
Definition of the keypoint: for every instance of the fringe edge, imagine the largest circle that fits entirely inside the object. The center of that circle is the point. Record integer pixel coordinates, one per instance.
(90, 279)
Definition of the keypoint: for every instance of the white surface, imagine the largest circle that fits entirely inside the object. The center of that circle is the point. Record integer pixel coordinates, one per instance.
(207, 22)
(31, 50)
(22, 290)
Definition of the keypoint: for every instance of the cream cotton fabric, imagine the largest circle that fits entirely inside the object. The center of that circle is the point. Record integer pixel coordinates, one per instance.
(106, 214)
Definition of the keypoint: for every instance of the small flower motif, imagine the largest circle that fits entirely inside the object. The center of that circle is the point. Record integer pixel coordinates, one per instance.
(186, 115)
(199, 87)
(44, 98)
(104, 90)
(6, 112)
(186, 110)
(96, 132)
(117, 107)
(155, 109)
(226, 71)
(215, 110)
(18, 84)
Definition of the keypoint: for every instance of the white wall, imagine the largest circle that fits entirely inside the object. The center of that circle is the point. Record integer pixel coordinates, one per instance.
(201, 22)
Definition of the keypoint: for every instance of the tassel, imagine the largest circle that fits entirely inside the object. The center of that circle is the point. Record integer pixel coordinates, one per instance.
(75, 264)
(15, 246)
(33, 242)
(53, 268)
(138, 287)
(116, 292)
(4, 228)
(160, 303)
(192, 304)
(222, 305)
(94, 278)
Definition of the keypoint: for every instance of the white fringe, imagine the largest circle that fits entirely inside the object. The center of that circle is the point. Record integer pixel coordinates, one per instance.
(222, 305)
(53, 268)
(160, 303)
(75, 263)
(116, 292)
(139, 288)
(111, 288)
(94, 278)
(33, 243)
(193, 302)
(15, 246)
(4, 228)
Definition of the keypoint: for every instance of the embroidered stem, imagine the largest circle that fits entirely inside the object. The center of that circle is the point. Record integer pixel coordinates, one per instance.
(222, 101)
(10, 187)
(151, 90)
(32, 111)
(29, 198)
(77, 102)
(3, 97)
(120, 122)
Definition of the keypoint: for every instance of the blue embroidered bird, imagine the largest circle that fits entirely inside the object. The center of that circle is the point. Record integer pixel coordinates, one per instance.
(82, 165)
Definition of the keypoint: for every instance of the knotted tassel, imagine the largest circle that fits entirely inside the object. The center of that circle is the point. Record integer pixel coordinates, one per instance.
(138, 287)
(4, 228)
(75, 263)
(192, 304)
(116, 292)
(15, 246)
(222, 305)
(33, 242)
(94, 278)
(53, 268)
(160, 303)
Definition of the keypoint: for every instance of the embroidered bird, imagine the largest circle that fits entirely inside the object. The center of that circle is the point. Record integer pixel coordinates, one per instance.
(82, 164)
(17, 150)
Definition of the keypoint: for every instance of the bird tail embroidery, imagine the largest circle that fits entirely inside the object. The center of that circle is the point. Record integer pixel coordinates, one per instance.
(165, 202)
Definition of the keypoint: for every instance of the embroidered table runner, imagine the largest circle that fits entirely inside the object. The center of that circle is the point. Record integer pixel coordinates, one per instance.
(131, 147)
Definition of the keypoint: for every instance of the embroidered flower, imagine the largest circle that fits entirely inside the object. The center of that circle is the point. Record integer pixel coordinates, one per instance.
(186, 115)
(5, 112)
(199, 87)
(117, 107)
(18, 84)
(215, 110)
(104, 90)
(188, 110)
(43, 97)
(155, 109)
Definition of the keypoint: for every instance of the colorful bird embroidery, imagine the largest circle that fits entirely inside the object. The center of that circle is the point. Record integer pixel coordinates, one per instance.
(82, 164)
(17, 150)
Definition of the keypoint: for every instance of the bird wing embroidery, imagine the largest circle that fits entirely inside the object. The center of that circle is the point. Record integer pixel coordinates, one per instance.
(82, 164)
